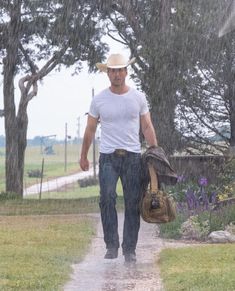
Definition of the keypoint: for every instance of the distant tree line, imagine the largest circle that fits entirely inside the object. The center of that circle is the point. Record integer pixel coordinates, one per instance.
(37, 141)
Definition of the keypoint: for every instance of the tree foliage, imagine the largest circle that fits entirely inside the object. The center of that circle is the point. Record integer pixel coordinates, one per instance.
(182, 66)
(206, 97)
(145, 27)
(36, 37)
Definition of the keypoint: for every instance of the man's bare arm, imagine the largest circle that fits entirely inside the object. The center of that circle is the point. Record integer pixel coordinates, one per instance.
(148, 129)
(87, 140)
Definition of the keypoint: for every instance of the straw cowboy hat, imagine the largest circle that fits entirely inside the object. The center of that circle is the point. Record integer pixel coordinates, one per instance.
(115, 61)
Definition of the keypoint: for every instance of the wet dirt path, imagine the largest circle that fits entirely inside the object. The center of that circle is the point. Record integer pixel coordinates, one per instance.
(97, 274)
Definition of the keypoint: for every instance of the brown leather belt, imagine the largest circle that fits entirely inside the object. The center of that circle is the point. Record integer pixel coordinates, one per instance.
(120, 152)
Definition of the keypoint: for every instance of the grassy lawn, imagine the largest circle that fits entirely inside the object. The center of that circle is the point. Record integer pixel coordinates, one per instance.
(202, 268)
(37, 251)
(40, 239)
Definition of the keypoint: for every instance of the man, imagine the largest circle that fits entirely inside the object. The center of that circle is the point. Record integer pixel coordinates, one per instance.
(121, 110)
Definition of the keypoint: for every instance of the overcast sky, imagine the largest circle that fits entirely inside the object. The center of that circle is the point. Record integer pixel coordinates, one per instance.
(63, 98)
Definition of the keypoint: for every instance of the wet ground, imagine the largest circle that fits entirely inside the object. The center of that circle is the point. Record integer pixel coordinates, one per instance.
(96, 273)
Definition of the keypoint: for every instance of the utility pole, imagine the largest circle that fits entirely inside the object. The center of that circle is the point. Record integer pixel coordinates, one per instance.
(79, 135)
(79, 128)
(94, 146)
(65, 148)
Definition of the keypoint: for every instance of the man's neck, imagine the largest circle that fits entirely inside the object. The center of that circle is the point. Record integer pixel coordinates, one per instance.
(119, 89)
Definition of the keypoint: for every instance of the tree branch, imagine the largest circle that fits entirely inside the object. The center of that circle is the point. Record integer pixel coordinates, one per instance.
(31, 64)
(51, 64)
(31, 81)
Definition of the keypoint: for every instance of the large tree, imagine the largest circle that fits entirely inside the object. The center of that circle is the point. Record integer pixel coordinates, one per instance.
(206, 97)
(145, 28)
(173, 41)
(36, 37)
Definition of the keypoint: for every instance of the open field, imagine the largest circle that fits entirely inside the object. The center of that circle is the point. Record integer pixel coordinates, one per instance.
(54, 165)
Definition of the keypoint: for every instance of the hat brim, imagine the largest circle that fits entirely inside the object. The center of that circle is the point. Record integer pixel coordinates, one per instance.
(104, 67)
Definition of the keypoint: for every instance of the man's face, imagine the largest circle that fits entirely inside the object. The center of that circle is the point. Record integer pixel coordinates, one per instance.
(117, 76)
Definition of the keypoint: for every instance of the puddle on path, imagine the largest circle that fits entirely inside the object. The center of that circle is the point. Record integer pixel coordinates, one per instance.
(97, 274)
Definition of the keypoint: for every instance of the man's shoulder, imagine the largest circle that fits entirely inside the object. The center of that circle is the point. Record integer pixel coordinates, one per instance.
(139, 94)
(102, 93)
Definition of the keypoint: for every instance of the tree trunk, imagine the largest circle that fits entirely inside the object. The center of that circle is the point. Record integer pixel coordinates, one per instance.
(13, 183)
(232, 117)
(13, 176)
(22, 123)
(163, 116)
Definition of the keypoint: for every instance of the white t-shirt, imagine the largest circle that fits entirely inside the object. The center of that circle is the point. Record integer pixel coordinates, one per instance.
(119, 118)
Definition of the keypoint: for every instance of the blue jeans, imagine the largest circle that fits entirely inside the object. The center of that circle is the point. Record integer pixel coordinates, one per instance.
(128, 169)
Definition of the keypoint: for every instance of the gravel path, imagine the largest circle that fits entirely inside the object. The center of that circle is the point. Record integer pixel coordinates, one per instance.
(96, 274)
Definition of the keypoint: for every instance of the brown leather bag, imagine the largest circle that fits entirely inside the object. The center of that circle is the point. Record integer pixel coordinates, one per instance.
(156, 205)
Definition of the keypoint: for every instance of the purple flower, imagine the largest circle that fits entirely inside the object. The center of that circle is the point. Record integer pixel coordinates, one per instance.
(203, 181)
(181, 179)
(191, 199)
(213, 197)
(205, 199)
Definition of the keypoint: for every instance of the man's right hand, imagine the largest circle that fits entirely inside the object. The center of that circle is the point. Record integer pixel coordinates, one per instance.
(84, 164)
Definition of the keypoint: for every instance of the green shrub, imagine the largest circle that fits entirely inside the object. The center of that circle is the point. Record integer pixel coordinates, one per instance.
(195, 228)
(35, 173)
(9, 196)
(222, 217)
(171, 230)
(227, 176)
(90, 181)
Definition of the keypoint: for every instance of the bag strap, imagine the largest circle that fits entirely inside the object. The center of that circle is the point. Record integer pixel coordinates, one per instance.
(153, 179)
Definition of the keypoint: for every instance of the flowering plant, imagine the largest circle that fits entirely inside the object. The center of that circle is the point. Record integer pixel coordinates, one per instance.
(196, 195)
(193, 228)
(225, 193)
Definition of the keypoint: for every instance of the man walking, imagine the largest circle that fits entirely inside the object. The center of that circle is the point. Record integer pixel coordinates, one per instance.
(121, 110)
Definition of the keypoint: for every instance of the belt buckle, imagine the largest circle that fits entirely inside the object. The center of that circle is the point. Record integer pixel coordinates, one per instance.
(120, 152)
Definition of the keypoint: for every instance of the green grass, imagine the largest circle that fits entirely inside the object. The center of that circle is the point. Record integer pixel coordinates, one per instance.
(54, 165)
(74, 200)
(52, 206)
(73, 191)
(202, 268)
(48, 206)
(37, 251)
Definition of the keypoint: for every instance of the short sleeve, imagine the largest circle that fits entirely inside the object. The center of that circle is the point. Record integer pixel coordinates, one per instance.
(93, 109)
(144, 105)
